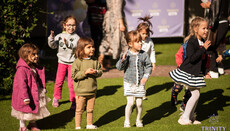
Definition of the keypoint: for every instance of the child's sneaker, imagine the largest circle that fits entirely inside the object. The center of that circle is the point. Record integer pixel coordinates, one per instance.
(145, 98)
(91, 127)
(77, 128)
(183, 122)
(23, 129)
(127, 125)
(55, 102)
(73, 106)
(139, 124)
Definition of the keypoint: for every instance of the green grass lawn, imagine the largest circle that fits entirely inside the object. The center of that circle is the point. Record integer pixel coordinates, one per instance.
(157, 114)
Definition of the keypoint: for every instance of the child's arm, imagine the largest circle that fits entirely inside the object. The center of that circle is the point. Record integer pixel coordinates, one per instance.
(193, 54)
(147, 70)
(121, 63)
(152, 55)
(76, 73)
(20, 83)
(51, 40)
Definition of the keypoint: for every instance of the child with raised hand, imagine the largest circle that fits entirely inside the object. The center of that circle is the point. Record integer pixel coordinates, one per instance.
(28, 98)
(137, 68)
(85, 69)
(66, 42)
(191, 72)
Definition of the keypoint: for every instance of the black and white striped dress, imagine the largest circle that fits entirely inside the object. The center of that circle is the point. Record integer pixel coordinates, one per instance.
(186, 79)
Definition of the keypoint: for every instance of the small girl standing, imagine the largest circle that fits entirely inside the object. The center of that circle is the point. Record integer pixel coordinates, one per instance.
(66, 42)
(144, 29)
(84, 71)
(28, 98)
(137, 68)
(191, 72)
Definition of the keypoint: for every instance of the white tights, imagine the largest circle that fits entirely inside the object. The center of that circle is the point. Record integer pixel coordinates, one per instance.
(191, 104)
(128, 108)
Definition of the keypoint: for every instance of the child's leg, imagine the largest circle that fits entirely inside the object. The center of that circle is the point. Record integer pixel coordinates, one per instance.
(139, 108)
(191, 104)
(128, 108)
(33, 126)
(175, 91)
(186, 97)
(89, 108)
(79, 110)
(60, 76)
(70, 85)
(22, 123)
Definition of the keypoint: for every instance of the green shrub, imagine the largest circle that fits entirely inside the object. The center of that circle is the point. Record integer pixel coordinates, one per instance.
(17, 20)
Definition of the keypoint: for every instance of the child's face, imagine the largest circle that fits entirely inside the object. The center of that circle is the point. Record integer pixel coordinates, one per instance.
(136, 46)
(33, 57)
(202, 30)
(89, 50)
(144, 34)
(70, 26)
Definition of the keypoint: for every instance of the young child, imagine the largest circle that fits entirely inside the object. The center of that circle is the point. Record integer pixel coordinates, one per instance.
(84, 71)
(28, 98)
(189, 73)
(144, 29)
(66, 42)
(137, 68)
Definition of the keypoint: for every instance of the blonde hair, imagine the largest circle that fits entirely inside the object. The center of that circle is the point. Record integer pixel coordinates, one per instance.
(194, 24)
(133, 36)
(26, 50)
(145, 25)
(81, 44)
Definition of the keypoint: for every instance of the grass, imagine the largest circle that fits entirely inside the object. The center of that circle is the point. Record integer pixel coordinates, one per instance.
(157, 114)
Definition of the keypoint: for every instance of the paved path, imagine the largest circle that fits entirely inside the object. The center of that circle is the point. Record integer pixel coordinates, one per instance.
(161, 70)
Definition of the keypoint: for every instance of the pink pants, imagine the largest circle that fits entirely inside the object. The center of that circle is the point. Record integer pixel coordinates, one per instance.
(60, 77)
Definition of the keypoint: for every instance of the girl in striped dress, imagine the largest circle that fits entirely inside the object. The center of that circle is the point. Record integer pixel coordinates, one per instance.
(137, 67)
(191, 72)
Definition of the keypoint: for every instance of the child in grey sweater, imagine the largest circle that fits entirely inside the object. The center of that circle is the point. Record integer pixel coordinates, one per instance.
(137, 67)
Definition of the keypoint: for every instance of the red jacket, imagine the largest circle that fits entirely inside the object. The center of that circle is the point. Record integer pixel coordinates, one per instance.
(25, 87)
(179, 56)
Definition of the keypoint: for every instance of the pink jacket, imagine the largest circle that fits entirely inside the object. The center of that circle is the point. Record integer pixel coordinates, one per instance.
(25, 87)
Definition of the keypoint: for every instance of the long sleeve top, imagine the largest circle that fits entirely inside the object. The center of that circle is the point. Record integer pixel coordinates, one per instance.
(65, 43)
(148, 46)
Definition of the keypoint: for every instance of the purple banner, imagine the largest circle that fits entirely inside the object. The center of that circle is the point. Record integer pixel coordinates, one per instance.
(167, 16)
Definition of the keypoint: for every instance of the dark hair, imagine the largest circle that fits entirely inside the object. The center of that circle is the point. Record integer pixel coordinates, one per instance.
(26, 50)
(145, 25)
(66, 19)
(133, 36)
(81, 44)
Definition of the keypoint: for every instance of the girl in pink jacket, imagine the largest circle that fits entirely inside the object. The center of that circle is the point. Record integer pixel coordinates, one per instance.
(28, 97)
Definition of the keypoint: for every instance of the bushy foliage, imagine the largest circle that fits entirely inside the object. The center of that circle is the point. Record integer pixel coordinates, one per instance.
(17, 20)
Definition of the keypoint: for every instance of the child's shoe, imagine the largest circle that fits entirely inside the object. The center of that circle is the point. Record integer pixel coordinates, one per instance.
(33, 127)
(23, 129)
(55, 102)
(127, 125)
(145, 98)
(77, 128)
(139, 124)
(183, 122)
(73, 106)
(91, 127)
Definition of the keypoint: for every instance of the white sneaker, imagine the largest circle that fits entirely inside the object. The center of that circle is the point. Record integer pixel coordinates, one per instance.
(127, 125)
(139, 124)
(77, 128)
(91, 127)
(221, 71)
(214, 74)
(183, 122)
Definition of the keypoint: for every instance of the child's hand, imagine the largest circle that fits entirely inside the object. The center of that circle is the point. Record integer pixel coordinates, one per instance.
(52, 33)
(219, 58)
(27, 102)
(154, 66)
(124, 56)
(207, 43)
(90, 71)
(143, 81)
